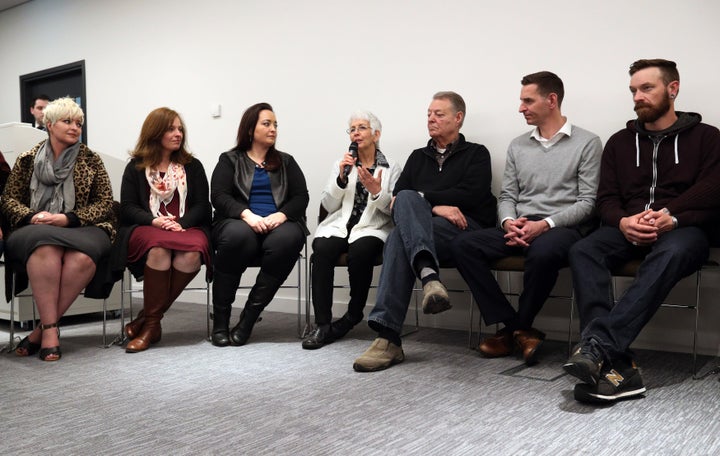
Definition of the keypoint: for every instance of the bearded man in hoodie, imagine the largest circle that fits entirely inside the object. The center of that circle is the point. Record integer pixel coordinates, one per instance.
(659, 193)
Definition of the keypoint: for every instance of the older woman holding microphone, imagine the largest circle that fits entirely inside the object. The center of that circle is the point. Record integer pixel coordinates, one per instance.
(357, 198)
(59, 204)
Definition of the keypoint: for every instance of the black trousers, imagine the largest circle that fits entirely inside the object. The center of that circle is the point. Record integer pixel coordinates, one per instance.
(237, 246)
(361, 258)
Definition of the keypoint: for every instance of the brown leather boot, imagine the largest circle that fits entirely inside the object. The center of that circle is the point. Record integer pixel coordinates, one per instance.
(178, 281)
(133, 328)
(155, 298)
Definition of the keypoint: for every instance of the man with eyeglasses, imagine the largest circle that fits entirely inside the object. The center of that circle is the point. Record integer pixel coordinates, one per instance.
(443, 190)
(546, 204)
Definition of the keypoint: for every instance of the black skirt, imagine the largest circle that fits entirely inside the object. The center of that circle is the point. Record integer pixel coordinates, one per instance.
(90, 240)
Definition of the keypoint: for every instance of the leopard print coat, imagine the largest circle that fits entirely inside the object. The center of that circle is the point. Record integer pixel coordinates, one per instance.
(93, 192)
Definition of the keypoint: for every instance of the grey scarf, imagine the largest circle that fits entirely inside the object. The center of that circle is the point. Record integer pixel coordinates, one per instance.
(50, 188)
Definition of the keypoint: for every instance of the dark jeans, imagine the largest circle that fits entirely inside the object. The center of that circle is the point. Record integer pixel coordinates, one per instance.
(546, 255)
(361, 261)
(237, 246)
(416, 230)
(676, 254)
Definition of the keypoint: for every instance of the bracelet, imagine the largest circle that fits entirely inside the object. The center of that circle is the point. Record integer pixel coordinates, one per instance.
(675, 222)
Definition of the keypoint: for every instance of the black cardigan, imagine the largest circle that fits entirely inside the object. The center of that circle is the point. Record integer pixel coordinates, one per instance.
(135, 211)
(232, 180)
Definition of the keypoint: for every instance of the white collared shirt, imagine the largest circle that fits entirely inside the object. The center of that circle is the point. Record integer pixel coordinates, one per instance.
(565, 130)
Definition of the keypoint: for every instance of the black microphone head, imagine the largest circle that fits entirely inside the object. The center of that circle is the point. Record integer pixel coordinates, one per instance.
(353, 149)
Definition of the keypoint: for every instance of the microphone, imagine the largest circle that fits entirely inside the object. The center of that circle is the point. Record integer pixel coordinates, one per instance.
(353, 151)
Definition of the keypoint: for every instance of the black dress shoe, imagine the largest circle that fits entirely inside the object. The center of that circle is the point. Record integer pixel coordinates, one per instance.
(341, 327)
(318, 337)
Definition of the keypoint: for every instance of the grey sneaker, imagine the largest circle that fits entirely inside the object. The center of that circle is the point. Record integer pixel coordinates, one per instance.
(435, 298)
(620, 382)
(381, 355)
(585, 363)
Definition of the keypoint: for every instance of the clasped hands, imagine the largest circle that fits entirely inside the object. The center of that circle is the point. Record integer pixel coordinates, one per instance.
(645, 227)
(263, 225)
(48, 218)
(167, 223)
(520, 232)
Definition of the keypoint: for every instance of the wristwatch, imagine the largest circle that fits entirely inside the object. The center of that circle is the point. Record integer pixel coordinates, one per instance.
(672, 217)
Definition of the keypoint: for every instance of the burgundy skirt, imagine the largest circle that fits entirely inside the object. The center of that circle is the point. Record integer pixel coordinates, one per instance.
(145, 237)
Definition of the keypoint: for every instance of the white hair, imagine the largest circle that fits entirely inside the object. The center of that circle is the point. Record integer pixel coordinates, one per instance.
(375, 124)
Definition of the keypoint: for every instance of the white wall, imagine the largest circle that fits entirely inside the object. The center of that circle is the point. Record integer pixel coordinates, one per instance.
(316, 61)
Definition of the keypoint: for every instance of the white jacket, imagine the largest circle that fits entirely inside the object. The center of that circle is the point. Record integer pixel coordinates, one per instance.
(375, 219)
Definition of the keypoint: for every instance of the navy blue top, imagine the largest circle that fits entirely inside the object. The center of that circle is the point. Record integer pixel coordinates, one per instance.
(261, 199)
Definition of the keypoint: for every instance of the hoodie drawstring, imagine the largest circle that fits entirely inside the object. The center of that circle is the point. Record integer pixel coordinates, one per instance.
(637, 149)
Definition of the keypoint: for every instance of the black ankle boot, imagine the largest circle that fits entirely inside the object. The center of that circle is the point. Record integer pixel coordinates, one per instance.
(241, 332)
(224, 288)
(221, 325)
(260, 296)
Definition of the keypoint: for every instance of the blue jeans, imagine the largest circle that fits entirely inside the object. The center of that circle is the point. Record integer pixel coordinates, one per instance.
(676, 254)
(544, 258)
(416, 230)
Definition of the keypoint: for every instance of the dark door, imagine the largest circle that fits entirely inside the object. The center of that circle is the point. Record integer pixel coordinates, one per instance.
(62, 81)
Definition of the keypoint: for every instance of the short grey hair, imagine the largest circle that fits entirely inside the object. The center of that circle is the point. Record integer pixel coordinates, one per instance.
(455, 100)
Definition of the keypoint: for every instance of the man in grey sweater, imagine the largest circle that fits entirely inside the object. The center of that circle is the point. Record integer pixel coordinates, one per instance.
(546, 204)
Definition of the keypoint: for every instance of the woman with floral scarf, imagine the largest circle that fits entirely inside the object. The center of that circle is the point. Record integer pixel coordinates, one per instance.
(165, 215)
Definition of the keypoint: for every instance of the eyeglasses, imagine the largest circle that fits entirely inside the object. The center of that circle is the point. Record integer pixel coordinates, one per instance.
(360, 128)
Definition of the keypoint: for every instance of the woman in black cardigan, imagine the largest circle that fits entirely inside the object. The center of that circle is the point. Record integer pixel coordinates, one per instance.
(260, 197)
(165, 216)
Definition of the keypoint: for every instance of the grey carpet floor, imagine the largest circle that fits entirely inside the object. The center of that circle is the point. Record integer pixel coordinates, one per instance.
(184, 396)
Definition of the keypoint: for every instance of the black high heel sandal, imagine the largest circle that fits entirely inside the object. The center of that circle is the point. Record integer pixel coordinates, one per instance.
(49, 353)
(27, 348)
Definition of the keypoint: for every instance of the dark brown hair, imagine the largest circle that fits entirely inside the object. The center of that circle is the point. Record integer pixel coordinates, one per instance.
(667, 68)
(246, 133)
(148, 150)
(547, 83)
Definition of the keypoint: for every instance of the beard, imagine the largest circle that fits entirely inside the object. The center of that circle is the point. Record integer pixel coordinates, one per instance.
(648, 113)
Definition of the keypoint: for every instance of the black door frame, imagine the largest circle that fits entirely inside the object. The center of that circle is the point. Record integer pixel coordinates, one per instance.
(28, 80)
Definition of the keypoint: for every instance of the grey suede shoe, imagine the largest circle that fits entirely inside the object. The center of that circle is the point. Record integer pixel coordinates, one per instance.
(381, 355)
(435, 298)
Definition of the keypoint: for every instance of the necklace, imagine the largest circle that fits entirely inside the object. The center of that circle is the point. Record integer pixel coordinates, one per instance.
(257, 163)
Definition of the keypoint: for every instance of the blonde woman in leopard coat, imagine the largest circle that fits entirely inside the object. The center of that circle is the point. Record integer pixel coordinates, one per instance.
(59, 205)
